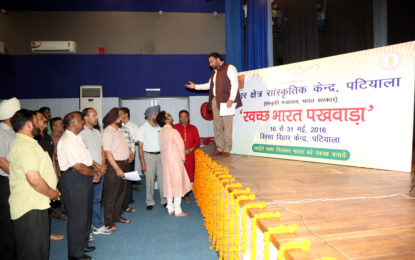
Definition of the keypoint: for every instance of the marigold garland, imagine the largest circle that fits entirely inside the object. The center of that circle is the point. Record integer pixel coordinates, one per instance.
(236, 219)
(244, 217)
(281, 229)
(219, 198)
(246, 191)
(254, 224)
(304, 246)
(232, 244)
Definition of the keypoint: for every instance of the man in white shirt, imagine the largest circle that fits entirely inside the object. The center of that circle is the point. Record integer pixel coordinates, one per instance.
(76, 164)
(132, 127)
(130, 131)
(223, 88)
(7, 237)
(93, 142)
(150, 158)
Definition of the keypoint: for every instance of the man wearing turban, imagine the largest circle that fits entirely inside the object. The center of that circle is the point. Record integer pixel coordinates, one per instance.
(119, 156)
(7, 238)
(150, 158)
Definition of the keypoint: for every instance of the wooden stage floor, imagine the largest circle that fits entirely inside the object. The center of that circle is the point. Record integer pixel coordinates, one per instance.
(375, 226)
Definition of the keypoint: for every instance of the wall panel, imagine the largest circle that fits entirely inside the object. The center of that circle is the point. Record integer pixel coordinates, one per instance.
(118, 32)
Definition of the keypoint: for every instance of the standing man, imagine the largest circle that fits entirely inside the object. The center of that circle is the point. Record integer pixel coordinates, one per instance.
(133, 128)
(75, 162)
(7, 238)
(119, 156)
(44, 139)
(46, 113)
(125, 115)
(57, 131)
(32, 187)
(93, 142)
(46, 142)
(191, 140)
(56, 124)
(130, 138)
(150, 158)
(223, 88)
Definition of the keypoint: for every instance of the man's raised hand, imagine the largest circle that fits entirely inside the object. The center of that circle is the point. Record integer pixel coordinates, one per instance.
(191, 85)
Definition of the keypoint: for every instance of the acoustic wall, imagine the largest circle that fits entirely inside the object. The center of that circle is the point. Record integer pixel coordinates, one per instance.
(143, 48)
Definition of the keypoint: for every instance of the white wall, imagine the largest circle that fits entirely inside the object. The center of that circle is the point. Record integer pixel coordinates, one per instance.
(61, 106)
(58, 107)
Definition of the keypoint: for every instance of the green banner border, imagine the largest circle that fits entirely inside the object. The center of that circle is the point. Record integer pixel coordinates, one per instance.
(312, 152)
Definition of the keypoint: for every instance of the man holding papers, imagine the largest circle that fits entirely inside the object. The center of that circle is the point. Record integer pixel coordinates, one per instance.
(223, 88)
(118, 157)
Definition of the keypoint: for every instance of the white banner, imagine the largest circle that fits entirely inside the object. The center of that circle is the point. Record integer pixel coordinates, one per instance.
(354, 109)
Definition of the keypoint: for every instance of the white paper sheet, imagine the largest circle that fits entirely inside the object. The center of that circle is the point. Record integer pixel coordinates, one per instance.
(225, 111)
(132, 176)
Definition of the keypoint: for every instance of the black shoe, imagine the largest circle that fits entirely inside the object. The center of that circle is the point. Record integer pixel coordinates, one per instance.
(84, 257)
(149, 207)
(89, 248)
(164, 205)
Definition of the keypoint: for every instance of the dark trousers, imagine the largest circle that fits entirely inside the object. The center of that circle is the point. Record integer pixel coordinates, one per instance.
(32, 235)
(114, 194)
(78, 192)
(128, 192)
(56, 206)
(128, 195)
(7, 236)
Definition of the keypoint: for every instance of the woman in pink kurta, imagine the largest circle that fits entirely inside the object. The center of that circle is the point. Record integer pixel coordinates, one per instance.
(176, 182)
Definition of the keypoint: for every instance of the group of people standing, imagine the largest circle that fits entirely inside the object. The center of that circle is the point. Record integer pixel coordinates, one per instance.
(77, 158)
(86, 168)
(167, 155)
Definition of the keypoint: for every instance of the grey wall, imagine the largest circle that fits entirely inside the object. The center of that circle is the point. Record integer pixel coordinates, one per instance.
(118, 32)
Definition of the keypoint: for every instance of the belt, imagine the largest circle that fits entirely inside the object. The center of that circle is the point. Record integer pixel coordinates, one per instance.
(153, 152)
(68, 170)
(124, 161)
(73, 169)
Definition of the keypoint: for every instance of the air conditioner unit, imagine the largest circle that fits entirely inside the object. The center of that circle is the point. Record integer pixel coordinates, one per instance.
(91, 96)
(53, 46)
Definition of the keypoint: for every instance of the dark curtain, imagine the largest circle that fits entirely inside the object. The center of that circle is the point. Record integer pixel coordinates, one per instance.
(401, 21)
(257, 34)
(299, 35)
(349, 27)
(234, 36)
(401, 26)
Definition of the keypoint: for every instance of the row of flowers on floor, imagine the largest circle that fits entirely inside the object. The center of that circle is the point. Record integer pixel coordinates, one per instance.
(224, 206)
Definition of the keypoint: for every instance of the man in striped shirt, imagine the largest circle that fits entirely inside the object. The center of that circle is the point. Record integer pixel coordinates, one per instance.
(32, 187)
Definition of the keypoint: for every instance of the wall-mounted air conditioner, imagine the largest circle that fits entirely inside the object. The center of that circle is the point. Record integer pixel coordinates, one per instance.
(91, 96)
(53, 47)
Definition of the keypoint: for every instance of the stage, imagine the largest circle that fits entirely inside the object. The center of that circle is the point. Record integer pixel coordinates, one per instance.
(366, 213)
